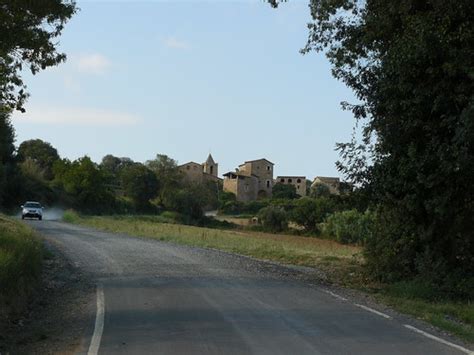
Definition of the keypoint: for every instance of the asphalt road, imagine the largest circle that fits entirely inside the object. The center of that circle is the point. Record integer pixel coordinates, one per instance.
(161, 298)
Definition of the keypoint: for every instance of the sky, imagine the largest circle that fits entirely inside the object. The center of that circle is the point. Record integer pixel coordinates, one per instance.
(189, 78)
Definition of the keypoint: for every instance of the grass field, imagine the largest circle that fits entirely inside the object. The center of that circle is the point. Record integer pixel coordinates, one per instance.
(20, 265)
(343, 264)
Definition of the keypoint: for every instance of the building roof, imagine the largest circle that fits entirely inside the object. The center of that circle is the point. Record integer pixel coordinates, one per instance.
(210, 160)
(253, 161)
(188, 163)
(327, 179)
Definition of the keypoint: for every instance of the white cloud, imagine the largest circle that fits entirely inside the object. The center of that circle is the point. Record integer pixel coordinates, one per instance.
(92, 63)
(175, 43)
(76, 116)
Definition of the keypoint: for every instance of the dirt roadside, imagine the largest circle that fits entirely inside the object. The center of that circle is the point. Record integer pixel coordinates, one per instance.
(60, 317)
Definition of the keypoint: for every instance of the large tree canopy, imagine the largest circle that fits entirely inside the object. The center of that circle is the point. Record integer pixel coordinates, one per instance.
(28, 32)
(411, 65)
(40, 152)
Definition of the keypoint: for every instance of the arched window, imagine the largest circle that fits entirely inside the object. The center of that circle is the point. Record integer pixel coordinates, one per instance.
(282, 180)
(268, 184)
(212, 170)
(290, 180)
(298, 181)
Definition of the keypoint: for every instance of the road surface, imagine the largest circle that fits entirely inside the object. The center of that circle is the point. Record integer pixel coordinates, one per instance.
(159, 298)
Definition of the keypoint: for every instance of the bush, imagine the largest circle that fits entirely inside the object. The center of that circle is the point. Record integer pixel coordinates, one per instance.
(273, 219)
(70, 216)
(310, 212)
(349, 226)
(229, 205)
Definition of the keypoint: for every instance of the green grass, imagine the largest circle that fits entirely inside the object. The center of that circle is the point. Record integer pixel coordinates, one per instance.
(20, 265)
(343, 264)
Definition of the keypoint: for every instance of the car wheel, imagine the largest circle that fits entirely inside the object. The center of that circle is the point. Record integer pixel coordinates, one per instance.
(40, 218)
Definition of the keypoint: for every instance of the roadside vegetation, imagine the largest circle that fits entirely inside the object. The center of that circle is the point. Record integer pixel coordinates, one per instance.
(21, 255)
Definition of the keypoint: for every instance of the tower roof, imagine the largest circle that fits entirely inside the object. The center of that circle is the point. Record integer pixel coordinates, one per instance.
(210, 160)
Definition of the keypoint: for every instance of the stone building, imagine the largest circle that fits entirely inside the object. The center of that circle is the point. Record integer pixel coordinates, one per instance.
(252, 180)
(200, 173)
(332, 183)
(244, 187)
(299, 182)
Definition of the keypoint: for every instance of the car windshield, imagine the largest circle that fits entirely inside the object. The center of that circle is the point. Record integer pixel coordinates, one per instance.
(33, 205)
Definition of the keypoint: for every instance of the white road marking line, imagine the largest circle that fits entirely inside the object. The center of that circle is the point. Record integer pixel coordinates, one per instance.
(442, 341)
(99, 322)
(335, 295)
(373, 311)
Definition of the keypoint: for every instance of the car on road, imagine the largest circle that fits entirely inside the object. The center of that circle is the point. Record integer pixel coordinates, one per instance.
(32, 209)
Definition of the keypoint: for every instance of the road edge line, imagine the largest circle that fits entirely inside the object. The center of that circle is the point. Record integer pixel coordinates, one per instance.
(373, 311)
(335, 295)
(99, 322)
(439, 340)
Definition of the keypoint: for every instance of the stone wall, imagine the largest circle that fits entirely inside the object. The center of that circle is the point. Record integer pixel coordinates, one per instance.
(299, 182)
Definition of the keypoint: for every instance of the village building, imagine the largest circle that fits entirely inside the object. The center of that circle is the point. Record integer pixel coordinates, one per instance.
(299, 182)
(251, 181)
(200, 173)
(332, 183)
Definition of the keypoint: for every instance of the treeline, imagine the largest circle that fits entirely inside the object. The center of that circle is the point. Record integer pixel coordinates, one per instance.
(35, 171)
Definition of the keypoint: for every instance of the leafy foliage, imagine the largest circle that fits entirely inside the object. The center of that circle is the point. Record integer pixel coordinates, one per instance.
(273, 219)
(7, 148)
(28, 30)
(85, 184)
(284, 191)
(140, 184)
(349, 226)
(40, 152)
(310, 212)
(411, 65)
(168, 174)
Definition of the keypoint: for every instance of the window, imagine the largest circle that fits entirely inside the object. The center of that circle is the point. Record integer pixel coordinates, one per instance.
(290, 180)
(298, 187)
(282, 180)
(268, 184)
(298, 181)
(212, 170)
(269, 168)
(188, 167)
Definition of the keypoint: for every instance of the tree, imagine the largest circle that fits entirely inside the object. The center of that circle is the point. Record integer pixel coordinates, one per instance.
(85, 184)
(140, 184)
(273, 219)
(186, 201)
(7, 160)
(284, 191)
(113, 165)
(168, 174)
(411, 65)
(310, 212)
(43, 153)
(320, 190)
(28, 32)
